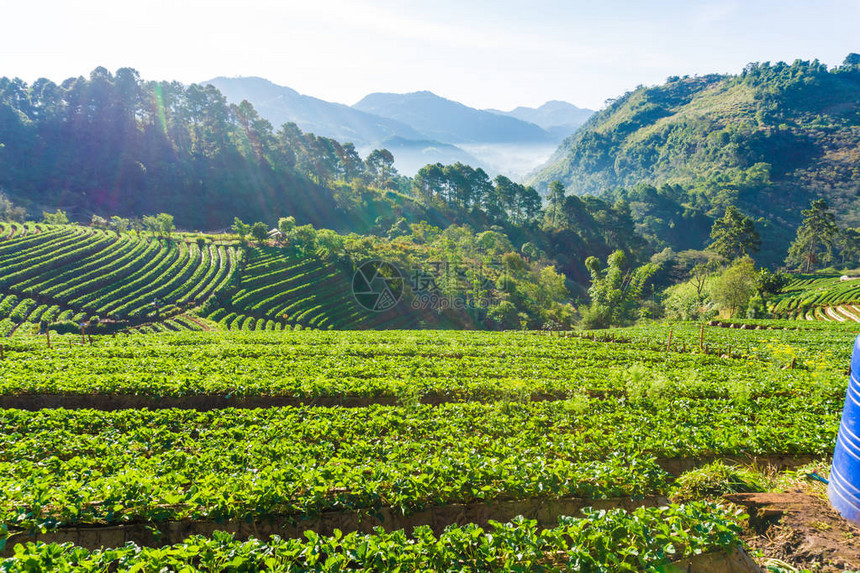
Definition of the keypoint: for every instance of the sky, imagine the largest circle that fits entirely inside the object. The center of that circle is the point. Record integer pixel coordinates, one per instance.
(486, 54)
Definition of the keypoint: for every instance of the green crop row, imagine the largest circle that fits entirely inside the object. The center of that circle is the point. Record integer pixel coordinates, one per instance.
(96, 266)
(815, 345)
(142, 279)
(646, 539)
(12, 247)
(56, 257)
(449, 365)
(78, 292)
(62, 467)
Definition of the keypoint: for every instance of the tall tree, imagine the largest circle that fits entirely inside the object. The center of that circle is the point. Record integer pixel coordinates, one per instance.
(260, 232)
(556, 198)
(528, 203)
(813, 246)
(380, 166)
(429, 182)
(734, 235)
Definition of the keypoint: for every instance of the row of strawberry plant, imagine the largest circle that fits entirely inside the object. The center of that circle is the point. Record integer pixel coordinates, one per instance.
(141, 284)
(96, 265)
(65, 467)
(456, 366)
(77, 290)
(309, 291)
(55, 260)
(818, 344)
(175, 276)
(28, 241)
(140, 276)
(222, 263)
(15, 251)
(646, 539)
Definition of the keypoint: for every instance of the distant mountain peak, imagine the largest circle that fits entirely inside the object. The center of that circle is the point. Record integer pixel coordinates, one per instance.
(252, 83)
(560, 118)
(451, 121)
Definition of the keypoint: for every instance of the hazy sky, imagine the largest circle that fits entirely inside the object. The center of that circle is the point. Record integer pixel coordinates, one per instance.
(483, 53)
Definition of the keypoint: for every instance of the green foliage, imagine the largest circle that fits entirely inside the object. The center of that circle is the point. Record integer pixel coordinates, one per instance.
(685, 301)
(57, 218)
(732, 289)
(643, 539)
(555, 199)
(813, 247)
(770, 283)
(286, 225)
(380, 167)
(615, 291)
(304, 238)
(240, 228)
(734, 235)
(716, 479)
(9, 211)
(260, 232)
(761, 140)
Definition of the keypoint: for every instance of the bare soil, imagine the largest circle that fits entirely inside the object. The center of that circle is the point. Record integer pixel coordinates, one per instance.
(800, 529)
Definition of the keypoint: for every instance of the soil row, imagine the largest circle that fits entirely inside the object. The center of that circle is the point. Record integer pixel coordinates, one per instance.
(204, 402)
(157, 534)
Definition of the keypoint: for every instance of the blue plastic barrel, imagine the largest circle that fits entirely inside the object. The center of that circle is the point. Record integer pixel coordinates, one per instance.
(844, 487)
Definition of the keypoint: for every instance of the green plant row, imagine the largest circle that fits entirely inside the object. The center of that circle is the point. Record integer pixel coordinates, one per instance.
(646, 539)
(62, 467)
(100, 273)
(807, 295)
(308, 291)
(15, 246)
(451, 365)
(55, 256)
(815, 345)
(79, 293)
(137, 303)
(105, 299)
(98, 266)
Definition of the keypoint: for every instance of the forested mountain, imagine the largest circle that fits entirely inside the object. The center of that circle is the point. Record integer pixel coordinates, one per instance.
(412, 149)
(280, 105)
(768, 140)
(559, 118)
(450, 121)
(115, 144)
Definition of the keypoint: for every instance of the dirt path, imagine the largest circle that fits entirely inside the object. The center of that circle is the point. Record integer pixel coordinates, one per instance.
(800, 529)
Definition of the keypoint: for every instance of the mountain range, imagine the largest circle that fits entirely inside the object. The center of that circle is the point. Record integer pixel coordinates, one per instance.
(768, 140)
(559, 118)
(420, 127)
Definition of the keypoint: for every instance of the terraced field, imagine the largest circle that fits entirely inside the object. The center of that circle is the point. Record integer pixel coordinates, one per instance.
(830, 298)
(279, 290)
(79, 273)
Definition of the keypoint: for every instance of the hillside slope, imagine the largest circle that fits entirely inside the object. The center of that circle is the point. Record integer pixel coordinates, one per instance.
(124, 281)
(768, 140)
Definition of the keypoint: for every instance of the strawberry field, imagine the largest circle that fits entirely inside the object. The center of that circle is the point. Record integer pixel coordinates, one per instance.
(406, 449)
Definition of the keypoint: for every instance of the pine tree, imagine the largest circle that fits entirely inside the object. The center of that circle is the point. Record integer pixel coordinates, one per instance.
(734, 235)
(813, 246)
